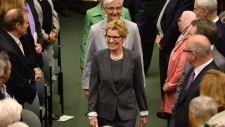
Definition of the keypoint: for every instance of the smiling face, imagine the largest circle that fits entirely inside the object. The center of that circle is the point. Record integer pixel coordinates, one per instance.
(113, 10)
(114, 40)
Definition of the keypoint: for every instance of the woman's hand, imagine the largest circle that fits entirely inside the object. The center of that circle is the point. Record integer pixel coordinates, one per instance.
(165, 89)
(143, 121)
(157, 40)
(94, 122)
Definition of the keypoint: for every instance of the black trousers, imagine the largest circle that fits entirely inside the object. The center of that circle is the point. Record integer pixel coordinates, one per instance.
(117, 122)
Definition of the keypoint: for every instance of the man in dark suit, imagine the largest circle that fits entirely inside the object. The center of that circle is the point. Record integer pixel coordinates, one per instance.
(207, 28)
(33, 48)
(168, 32)
(143, 13)
(198, 54)
(15, 23)
(208, 10)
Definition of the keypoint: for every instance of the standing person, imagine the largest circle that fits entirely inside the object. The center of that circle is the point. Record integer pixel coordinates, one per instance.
(93, 16)
(96, 38)
(198, 54)
(15, 23)
(168, 33)
(78, 6)
(116, 82)
(49, 22)
(176, 65)
(207, 9)
(143, 13)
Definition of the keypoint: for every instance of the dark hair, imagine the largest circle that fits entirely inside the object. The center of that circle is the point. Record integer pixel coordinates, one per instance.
(12, 17)
(207, 28)
(4, 57)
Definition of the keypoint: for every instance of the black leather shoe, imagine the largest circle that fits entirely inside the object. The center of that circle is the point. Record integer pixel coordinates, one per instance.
(163, 115)
(55, 117)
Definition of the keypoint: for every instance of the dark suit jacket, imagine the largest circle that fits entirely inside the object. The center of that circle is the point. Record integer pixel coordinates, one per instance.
(181, 110)
(220, 43)
(169, 22)
(18, 83)
(27, 40)
(104, 98)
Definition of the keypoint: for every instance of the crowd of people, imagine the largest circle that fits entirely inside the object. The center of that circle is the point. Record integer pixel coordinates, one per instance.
(115, 54)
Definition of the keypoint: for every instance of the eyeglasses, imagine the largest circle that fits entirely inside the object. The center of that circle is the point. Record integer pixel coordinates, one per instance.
(111, 9)
(178, 20)
(189, 51)
(115, 38)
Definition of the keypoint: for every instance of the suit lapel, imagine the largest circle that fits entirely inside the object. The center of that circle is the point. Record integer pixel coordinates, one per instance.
(125, 66)
(104, 22)
(107, 69)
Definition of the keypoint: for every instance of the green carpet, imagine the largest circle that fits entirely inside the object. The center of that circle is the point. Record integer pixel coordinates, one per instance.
(74, 98)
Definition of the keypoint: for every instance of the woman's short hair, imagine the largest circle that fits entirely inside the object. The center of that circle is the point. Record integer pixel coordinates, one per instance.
(18, 124)
(213, 85)
(10, 112)
(108, 2)
(118, 25)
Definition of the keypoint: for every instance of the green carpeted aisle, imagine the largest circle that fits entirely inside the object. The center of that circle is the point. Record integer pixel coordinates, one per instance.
(74, 99)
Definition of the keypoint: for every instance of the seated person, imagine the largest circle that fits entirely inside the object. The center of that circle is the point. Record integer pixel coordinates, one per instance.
(201, 109)
(10, 112)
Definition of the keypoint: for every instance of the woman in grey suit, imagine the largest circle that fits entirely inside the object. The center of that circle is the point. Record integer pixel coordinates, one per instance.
(96, 38)
(116, 82)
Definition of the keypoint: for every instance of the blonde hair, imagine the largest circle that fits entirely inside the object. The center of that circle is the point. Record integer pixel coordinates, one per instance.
(8, 4)
(213, 85)
(118, 25)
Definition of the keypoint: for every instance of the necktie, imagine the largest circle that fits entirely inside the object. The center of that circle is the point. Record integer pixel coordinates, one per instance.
(191, 78)
(21, 47)
(158, 25)
(30, 18)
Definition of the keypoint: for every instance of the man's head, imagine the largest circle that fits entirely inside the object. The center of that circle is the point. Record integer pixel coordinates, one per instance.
(205, 8)
(2, 77)
(198, 50)
(7, 68)
(10, 112)
(205, 27)
(201, 109)
(15, 21)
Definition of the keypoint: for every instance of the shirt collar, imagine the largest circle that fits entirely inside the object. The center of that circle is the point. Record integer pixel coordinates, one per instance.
(199, 69)
(216, 19)
(15, 38)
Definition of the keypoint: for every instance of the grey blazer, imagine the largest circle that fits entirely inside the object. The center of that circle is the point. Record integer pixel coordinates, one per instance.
(104, 98)
(55, 18)
(96, 41)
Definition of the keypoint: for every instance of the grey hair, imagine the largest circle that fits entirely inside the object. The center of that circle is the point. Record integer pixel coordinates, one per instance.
(18, 124)
(108, 2)
(210, 5)
(2, 66)
(202, 50)
(10, 112)
(203, 107)
(4, 56)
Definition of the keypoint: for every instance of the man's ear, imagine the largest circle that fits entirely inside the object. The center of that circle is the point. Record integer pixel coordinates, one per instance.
(206, 12)
(18, 26)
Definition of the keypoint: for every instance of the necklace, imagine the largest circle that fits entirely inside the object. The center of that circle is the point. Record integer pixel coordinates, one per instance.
(116, 58)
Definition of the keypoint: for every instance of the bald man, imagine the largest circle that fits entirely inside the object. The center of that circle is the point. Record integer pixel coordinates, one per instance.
(199, 55)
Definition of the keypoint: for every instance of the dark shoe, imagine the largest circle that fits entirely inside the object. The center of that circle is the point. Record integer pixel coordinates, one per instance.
(163, 115)
(65, 13)
(80, 10)
(55, 117)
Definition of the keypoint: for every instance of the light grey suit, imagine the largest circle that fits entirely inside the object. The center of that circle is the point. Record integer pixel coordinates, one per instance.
(96, 41)
(219, 61)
